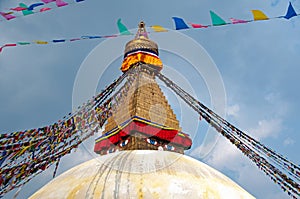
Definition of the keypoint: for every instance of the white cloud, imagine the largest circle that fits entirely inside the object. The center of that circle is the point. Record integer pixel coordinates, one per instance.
(233, 110)
(288, 141)
(224, 150)
(266, 128)
(272, 97)
(275, 100)
(226, 157)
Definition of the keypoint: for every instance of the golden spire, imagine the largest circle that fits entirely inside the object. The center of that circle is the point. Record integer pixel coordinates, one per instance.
(141, 42)
(141, 117)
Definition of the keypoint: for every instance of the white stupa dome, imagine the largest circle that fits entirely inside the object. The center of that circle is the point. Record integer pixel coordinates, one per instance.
(142, 174)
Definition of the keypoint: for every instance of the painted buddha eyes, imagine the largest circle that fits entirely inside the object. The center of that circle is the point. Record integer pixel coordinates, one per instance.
(124, 143)
(152, 141)
(170, 147)
(155, 143)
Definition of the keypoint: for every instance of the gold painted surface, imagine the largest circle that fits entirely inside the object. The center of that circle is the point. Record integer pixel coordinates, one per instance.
(142, 174)
(144, 99)
(141, 43)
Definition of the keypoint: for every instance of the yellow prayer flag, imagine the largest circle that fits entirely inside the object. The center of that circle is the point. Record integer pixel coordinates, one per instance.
(22, 151)
(158, 28)
(259, 15)
(41, 42)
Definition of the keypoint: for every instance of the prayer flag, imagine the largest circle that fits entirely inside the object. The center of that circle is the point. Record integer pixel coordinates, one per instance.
(44, 9)
(58, 40)
(90, 37)
(7, 16)
(122, 28)
(110, 36)
(290, 12)
(47, 1)
(258, 15)
(235, 21)
(9, 45)
(23, 43)
(59, 3)
(26, 11)
(75, 39)
(18, 9)
(216, 20)
(194, 25)
(179, 23)
(158, 28)
(40, 42)
(32, 6)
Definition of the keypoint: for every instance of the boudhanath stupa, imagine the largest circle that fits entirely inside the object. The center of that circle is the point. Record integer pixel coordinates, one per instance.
(141, 150)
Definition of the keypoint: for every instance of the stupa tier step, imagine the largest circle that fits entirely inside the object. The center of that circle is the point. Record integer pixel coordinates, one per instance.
(144, 99)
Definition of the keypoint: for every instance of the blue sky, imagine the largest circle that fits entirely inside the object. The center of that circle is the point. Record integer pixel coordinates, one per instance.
(258, 62)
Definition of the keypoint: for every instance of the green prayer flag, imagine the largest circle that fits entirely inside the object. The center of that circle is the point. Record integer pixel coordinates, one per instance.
(122, 28)
(216, 20)
(25, 12)
(23, 43)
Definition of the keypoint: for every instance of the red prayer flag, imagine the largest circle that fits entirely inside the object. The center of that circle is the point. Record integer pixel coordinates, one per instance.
(9, 45)
(18, 9)
(198, 25)
(44, 9)
(7, 16)
(235, 21)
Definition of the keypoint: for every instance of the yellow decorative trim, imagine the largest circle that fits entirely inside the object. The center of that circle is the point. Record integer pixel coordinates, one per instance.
(140, 57)
(139, 120)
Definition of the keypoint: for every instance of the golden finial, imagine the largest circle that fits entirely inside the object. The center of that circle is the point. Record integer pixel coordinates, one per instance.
(142, 32)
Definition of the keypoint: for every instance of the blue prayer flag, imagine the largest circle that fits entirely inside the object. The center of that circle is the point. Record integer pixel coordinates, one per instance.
(179, 23)
(290, 12)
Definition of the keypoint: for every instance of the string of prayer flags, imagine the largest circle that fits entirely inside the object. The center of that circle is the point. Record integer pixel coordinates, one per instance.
(259, 15)
(216, 20)
(24, 154)
(282, 171)
(33, 8)
(179, 23)
(43, 42)
(122, 28)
